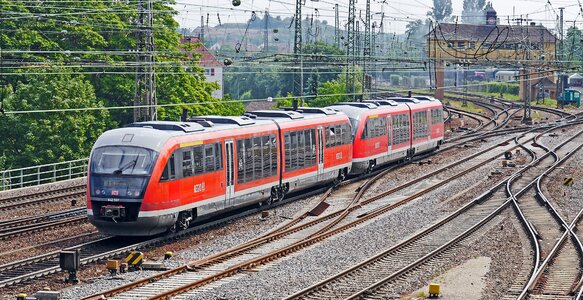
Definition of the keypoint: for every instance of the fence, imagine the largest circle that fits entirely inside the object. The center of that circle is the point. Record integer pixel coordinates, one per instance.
(48, 173)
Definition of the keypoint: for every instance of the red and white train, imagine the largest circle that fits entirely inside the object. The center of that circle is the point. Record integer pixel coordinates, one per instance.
(151, 177)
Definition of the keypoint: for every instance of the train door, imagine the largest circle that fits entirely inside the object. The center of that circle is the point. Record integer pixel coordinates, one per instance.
(320, 152)
(229, 167)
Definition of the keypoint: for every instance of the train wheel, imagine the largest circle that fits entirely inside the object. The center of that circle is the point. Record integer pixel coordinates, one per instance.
(173, 229)
(184, 219)
(371, 165)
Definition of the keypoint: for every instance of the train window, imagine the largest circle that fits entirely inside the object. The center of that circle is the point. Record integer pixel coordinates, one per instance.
(172, 167)
(301, 149)
(218, 156)
(257, 158)
(294, 150)
(374, 127)
(241, 161)
(313, 147)
(169, 172)
(198, 160)
(274, 149)
(187, 162)
(209, 158)
(287, 144)
(248, 160)
(265, 156)
(164, 176)
(330, 137)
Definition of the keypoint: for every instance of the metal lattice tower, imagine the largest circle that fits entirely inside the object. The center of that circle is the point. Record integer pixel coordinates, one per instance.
(298, 89)
(356, 56)
(145, 94)
(266, 32)
(336, 26)
(373, 44)
(350, 55)
(366, 47)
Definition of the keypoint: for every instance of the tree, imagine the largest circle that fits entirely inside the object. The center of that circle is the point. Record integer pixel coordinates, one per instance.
(416, 31)
(573, 45)
(37, 138)
(441, 10)
(473, 11)
(334, 91)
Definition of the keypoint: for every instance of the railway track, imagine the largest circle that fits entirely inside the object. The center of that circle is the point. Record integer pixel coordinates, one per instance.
(265, 249)
(75, 193)
(45, 264)
(383, 274)
(558, 250)
(26, 222)
(107, 247)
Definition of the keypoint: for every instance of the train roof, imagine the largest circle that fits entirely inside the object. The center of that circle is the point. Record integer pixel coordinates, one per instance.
(426, 98)
(289, 114)
(383, 102)
(404, 100)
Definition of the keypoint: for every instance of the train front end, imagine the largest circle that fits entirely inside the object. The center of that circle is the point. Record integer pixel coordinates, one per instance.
(120, 170)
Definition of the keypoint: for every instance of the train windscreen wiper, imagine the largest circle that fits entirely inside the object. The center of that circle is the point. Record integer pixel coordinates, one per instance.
(126, 166)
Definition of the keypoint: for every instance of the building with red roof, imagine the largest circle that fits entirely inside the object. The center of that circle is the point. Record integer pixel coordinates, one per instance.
(213, 68)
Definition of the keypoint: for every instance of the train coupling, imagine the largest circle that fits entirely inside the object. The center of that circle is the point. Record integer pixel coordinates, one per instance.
(113, 211)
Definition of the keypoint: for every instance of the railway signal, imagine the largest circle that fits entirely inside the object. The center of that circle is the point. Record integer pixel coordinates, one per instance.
(69, 261)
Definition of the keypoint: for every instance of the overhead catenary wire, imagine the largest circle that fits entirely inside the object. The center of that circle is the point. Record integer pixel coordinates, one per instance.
(187, 104)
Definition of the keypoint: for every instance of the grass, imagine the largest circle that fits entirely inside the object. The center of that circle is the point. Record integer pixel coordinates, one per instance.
(471, 107)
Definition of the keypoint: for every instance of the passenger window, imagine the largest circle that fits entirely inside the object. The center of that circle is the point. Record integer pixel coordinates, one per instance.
(218, 156)
(169, 172)
(241, 161)
(209, 158)
(198, 160)
(187, 162)
(164, 176)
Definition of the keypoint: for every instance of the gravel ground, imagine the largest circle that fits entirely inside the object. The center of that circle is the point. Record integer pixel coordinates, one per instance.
(329, 257)
(201, 245)
(567, 198)
(412, 171)
(500, 243)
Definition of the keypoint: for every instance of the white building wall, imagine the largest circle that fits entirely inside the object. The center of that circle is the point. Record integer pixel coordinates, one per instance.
(215, 74)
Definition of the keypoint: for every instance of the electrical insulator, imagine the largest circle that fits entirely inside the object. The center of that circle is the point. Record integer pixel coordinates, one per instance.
(275, 30)
(236, 2)
(228, 61)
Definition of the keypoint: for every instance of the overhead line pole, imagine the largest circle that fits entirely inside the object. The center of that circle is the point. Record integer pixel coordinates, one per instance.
(266, 32)
(366, 49)
(145, 93)
(350, 55)
(298, 89)
(336, 26)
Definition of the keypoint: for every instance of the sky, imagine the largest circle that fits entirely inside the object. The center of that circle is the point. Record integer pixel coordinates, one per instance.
(397, 12)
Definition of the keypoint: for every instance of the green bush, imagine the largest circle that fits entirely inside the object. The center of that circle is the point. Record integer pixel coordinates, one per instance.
(501, 87)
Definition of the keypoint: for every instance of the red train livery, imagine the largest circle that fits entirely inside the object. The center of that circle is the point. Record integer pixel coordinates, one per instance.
(151, 177)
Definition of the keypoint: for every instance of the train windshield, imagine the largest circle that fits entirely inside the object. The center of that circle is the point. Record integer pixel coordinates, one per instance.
(122, 160)
(120, 172)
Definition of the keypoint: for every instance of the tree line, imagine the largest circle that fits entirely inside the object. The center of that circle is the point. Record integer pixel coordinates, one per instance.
(77, 56)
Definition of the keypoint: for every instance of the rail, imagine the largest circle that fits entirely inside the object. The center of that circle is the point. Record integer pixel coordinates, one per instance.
(37, 175)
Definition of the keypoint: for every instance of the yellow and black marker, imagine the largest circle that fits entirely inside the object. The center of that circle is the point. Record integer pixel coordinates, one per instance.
(135, 259)
(568, 181)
